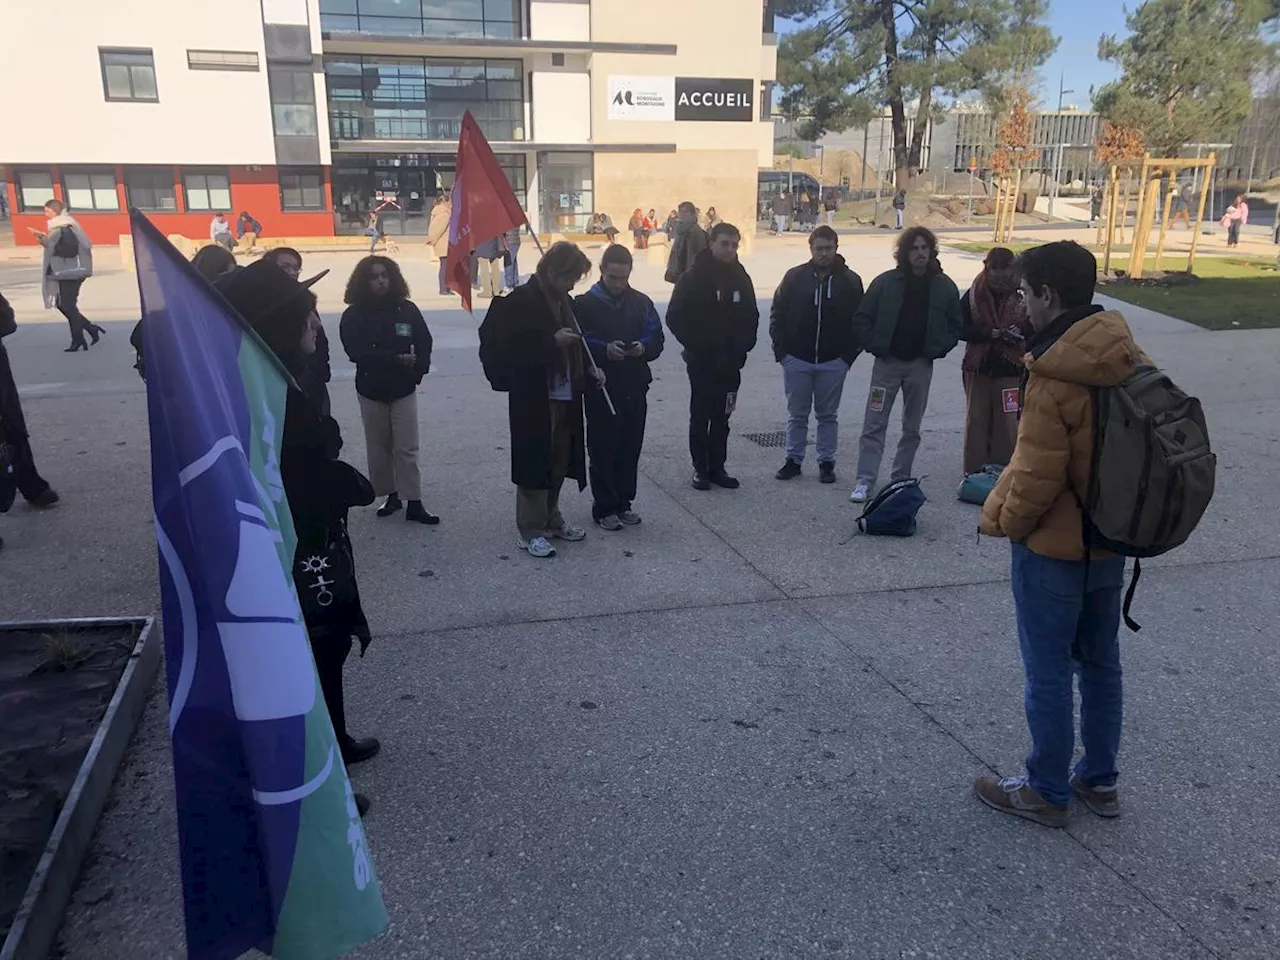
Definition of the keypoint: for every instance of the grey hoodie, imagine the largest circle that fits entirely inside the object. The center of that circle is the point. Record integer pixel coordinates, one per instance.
(56, 268)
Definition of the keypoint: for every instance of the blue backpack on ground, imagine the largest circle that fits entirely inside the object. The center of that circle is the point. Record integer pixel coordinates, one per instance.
(893, 511)
(976, 487)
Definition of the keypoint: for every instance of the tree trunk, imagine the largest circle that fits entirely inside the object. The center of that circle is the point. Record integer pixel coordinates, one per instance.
(926, 102)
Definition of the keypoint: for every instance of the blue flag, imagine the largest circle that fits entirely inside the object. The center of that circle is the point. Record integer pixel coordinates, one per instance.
(274, 856)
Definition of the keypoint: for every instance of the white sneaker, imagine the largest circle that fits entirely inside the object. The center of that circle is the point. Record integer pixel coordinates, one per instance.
(538, 547)
(860, 492)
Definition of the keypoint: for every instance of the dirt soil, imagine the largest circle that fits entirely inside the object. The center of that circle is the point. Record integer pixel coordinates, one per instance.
(54, 688)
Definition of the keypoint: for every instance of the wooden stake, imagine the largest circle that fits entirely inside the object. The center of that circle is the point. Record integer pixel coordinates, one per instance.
(1207, 175)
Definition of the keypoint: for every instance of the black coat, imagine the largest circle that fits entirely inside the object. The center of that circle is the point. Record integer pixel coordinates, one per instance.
(13, 426)
(315, 373)
(812, 320)
(524, 335)
(376, 335)
(714, 315)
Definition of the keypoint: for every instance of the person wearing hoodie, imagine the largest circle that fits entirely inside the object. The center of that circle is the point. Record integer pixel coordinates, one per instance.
(714, 316)
(384, 335)
(624, 334)
(690, 240)
(1068, 606)
(67, 263)
(811, 328)
(319, 486)
(909, 318)
(438, 235)
(316, 372)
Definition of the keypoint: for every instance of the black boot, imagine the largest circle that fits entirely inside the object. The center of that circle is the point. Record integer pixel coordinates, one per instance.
(722, 479)
(417, 513)
(700, 481)
(362, 803)
(389, 506)
(357, 751)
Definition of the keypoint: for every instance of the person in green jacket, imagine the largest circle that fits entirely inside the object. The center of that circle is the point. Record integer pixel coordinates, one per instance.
(909, 318)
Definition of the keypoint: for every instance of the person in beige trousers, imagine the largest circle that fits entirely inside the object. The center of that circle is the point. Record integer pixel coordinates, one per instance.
(386, 338)
(438, 235)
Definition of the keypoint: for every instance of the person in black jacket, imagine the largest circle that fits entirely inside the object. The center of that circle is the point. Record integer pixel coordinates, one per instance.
(811, 326)
(714, 316)
(624, 334)
(316, 373)
(320, 489)
(386, 338)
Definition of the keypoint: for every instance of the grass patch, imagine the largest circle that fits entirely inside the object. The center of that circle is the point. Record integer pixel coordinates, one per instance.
(1226, 297)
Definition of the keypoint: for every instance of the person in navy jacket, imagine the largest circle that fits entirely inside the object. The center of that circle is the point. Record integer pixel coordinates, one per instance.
(624, 333)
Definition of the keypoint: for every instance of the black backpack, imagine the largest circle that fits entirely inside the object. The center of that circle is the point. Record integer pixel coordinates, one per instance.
(67, 246)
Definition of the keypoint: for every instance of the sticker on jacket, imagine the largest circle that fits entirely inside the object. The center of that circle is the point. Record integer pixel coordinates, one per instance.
(404, 330)
(877, 399)
(1009, 398)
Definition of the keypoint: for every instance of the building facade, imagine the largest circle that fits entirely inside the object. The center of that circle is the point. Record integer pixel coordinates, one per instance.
(307, 114)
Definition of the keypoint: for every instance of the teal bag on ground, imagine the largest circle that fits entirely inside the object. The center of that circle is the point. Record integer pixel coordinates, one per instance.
(976, 487)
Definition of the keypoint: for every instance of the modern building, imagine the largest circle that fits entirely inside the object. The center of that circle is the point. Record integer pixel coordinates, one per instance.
(309, 113)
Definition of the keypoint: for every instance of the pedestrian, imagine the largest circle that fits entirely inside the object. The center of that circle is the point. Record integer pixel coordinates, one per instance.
(535, 340)
(1068, 605)
(438, 235)
(1236, 217)
(713, 219)
(511, 258)
(782, 209)
(374, 228)
(830, 205)
(899, 207)
(1095, 204)
(815, 208)
(994, 324)
(650, 225)
(320, 489)
(489, 264)
(689, 242)
(1182, 205)
(670, 227)
(909, 318)
(220, 232)
(247, 223)
(624, 333)
(714, 315)
(66, 264)
(637, 228)
(315, 372)
(811, 327)
(386, 338)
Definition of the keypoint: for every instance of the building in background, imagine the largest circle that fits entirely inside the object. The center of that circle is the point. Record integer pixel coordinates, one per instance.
(310, 113)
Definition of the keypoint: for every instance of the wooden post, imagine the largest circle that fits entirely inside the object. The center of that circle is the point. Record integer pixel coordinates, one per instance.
(1013, 205)
(1142, 231)
(999, 197)
(1140, 212)
(1207, 175)
(1124, 205)
(1164, 221)
(1113, 200)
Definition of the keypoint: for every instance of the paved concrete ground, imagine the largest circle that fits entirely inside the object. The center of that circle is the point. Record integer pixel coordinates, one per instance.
(739, 730)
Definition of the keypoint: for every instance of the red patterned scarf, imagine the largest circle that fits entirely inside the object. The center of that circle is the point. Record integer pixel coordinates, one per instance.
(990, 315)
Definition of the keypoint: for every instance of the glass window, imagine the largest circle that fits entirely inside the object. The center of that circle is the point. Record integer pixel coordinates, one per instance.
(35, 189)
(293, 102)
(128, 75)
(301, 189)
(90, 190)
(427, 18)
(568, 196)
(150, 189)
(207, 191)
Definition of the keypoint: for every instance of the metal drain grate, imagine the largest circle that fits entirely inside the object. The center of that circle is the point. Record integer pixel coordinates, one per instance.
(772, 438)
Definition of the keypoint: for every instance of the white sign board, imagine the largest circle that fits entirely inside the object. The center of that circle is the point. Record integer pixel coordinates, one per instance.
(642, 98)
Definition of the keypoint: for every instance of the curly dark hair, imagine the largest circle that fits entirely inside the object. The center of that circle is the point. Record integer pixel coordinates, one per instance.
(907, 239)
(358, 286)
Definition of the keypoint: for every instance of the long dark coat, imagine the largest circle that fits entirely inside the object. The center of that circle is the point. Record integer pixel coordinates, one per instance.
(524, 333)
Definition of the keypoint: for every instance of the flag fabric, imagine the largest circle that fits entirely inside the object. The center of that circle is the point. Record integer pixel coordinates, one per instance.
(274, 856)
(484, 205)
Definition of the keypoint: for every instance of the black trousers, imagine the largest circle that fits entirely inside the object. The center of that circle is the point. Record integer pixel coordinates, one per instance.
(709, 389)
(331, 651)
(614, 443)
(30, 484)
(68, 296)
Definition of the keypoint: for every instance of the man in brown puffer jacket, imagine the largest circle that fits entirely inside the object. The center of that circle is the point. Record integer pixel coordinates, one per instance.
(1064, 623)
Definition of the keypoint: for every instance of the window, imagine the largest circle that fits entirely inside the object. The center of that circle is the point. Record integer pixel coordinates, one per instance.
(207, 191)
(301, 189)
(129, 75)
(423, 18)
(150, 189)
(222, 60)
(90, 190)
(567, 190)
(35, 189)
(293, 101)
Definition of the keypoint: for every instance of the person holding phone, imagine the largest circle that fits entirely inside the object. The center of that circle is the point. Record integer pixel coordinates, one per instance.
(624, 333)
(995, 324)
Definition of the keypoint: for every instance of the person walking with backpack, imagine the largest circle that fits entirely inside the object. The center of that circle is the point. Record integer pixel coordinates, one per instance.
(811, 328)
(996, 327)
(384, 335)
(714, 315)
(1068, 603)
(624, 333)
(689, 242)
(67, 263)
(909, 318)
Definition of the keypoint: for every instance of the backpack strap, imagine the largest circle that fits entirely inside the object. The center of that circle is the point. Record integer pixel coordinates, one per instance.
(1128, 597)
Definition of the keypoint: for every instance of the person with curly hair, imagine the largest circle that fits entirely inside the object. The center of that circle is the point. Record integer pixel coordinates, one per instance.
(386, 338)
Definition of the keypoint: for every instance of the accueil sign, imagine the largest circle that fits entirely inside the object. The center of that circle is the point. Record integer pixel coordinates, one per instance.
(681, 98)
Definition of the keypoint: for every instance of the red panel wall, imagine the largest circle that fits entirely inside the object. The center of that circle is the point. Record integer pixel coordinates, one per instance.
(257, 191)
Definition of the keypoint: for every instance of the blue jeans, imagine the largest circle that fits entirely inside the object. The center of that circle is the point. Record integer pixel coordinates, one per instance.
(897, 216)
(511, 272)
(1065, 629)
(816, 388)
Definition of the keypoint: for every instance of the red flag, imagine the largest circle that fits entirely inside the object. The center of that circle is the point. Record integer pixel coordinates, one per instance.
(484, 205)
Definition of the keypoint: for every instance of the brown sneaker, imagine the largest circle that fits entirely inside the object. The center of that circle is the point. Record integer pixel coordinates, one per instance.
(1104, 801)
(1014, 795)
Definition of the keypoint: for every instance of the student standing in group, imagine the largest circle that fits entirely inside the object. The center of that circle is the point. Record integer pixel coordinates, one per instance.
(315, 372)
(1068, 606)
(689, 242)
(909, 318)
(530, 336)
(386, 338)
(67, 263)
(811, 327)
(624, 334)
(995, 325)
(438, 235)
(714, 315)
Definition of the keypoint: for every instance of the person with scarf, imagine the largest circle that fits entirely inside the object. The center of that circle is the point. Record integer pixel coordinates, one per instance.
(690, 241)
(533, 332)
(67, 263)
(714, 315)
(319, 486)
(995, 325)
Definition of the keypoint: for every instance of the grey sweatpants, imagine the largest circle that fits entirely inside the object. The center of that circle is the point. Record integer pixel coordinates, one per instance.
(817, 387)
(888, 376)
